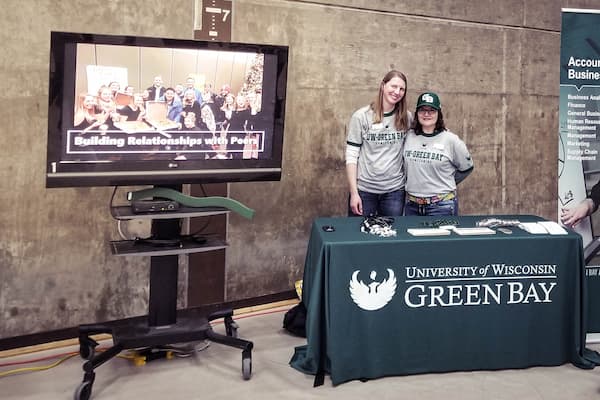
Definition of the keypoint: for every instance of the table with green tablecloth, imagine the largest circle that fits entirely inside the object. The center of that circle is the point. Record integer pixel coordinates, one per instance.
(380, 306)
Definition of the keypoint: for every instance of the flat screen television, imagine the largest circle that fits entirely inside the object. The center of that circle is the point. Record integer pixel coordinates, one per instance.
(127, 110)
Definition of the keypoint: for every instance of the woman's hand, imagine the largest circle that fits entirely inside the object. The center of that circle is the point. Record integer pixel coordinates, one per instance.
(356, 204)
(573, 216)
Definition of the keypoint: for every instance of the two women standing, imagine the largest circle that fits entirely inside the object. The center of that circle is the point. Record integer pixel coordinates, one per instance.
(393, 170)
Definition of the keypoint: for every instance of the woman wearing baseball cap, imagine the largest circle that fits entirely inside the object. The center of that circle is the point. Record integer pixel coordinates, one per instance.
(435, 161)
(374, 151)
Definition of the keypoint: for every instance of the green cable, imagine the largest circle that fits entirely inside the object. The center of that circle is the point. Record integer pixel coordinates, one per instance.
(190, 201)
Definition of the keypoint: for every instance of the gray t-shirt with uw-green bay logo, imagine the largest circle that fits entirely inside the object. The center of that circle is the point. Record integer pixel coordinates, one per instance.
(379, 167)
(431, 161)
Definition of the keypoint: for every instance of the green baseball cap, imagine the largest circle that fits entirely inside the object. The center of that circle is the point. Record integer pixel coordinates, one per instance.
(429, 99)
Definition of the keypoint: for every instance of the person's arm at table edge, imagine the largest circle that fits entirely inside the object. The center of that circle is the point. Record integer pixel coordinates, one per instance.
(352, 151)
(460, 176)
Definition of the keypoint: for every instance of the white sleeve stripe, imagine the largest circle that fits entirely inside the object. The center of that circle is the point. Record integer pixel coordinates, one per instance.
(352, 154)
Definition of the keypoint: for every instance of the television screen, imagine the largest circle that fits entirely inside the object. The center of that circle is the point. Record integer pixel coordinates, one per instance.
(127, 110)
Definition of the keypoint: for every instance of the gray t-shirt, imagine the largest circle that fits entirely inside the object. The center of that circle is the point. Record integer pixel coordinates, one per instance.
(430, 162)
(379, 167)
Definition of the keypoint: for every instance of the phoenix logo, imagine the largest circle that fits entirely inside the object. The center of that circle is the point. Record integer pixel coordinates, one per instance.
(376, 294)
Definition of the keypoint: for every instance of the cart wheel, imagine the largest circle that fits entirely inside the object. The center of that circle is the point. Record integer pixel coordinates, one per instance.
(87, 351)
(83, 391)
(87, 348)
(232, 329)
(247, 367)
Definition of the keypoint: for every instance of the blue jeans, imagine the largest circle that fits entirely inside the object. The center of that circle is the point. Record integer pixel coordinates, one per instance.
(381, 204)
(441, 208)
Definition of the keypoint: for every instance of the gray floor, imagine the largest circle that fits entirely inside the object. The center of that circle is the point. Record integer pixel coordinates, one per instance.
(215, 373)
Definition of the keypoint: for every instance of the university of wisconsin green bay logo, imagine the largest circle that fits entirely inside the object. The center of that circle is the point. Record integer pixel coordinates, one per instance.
(376, 294)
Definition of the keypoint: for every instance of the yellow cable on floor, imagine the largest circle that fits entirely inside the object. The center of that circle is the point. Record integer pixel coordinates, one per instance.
(34, 369)
(54, 364)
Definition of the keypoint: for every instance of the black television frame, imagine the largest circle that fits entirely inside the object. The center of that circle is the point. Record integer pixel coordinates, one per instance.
(62, 172)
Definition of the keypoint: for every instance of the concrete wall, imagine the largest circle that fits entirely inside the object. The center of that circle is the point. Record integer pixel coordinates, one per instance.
(494, 64)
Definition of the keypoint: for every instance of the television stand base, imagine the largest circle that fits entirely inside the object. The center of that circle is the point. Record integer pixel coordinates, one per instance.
(134, 335)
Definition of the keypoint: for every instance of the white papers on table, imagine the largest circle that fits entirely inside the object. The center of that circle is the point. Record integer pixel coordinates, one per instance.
(428, 232)
(553, 228)
(543, 227)
(480, 230)
(533, 227)
(474, 231)
(446, 230)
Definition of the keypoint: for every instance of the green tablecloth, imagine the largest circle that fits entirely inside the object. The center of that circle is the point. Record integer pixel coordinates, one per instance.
(404, 305)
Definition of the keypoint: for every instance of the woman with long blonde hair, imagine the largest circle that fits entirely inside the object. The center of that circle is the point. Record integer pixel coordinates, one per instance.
(374, 165)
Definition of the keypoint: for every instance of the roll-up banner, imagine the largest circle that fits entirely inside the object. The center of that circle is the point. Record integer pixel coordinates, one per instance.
(579, 136)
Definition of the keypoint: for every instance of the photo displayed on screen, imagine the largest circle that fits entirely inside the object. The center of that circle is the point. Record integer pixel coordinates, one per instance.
(132, 110)
(148, 103)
